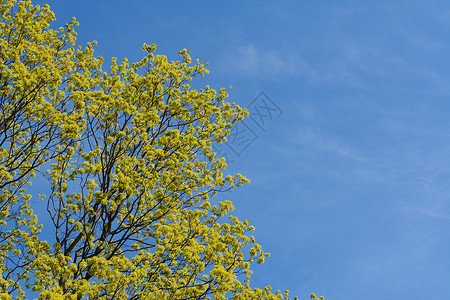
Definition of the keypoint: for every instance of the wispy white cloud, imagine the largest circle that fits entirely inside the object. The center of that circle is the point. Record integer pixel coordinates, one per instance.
(312, 138)
(248, 60)
(344, 67)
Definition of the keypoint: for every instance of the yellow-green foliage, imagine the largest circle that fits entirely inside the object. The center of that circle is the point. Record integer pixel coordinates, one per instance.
(130, 173)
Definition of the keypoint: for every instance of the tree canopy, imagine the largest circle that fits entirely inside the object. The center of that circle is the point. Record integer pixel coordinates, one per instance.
(125, 164)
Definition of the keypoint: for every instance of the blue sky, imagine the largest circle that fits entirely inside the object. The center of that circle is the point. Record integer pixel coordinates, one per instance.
(351, 183)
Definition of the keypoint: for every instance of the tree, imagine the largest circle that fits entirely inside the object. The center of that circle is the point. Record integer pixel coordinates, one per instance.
(126, 159)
